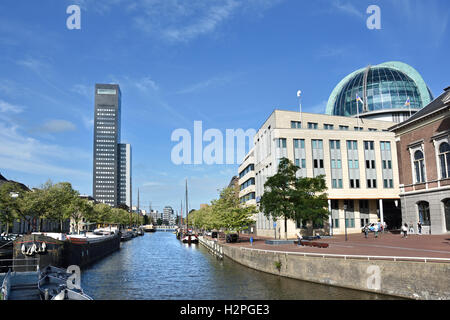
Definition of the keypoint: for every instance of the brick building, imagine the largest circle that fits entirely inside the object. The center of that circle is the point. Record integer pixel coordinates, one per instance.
(423, 150)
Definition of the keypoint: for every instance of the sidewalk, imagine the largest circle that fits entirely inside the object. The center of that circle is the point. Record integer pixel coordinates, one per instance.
(423, 246)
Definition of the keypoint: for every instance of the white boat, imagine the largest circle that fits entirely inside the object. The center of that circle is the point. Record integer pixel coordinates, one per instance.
(106, 231)
(67, 294)
(52, 285)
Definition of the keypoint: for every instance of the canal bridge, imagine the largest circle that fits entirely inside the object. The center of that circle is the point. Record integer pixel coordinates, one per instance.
(165, 228)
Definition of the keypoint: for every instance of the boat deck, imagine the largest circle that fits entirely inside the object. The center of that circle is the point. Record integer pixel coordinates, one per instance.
(23, 286)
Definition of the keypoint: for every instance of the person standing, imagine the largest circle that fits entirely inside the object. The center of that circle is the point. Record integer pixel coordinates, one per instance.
(375, 229)
(419, 227)
(405, 230)
(366, 231)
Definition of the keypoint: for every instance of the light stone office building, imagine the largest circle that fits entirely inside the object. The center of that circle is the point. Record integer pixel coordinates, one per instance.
(357, 157)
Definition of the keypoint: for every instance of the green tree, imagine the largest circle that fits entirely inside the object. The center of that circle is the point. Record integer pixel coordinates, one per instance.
(228, 212)
(80, 208)
(34, 205)
(102, 213)
(61, 197)
(288, 197)
(10, 209)
(276, 201)
(310, 200)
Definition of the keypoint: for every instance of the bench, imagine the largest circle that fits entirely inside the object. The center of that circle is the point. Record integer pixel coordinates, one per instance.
(313, 244)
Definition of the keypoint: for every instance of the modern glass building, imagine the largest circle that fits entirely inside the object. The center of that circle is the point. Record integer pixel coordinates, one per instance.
(390, 91)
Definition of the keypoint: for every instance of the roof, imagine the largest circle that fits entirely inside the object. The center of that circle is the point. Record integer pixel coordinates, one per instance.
(436, 105)
(396, 65)
(3, 180)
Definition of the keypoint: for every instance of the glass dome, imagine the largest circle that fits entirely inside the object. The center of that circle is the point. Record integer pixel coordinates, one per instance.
(383, 88)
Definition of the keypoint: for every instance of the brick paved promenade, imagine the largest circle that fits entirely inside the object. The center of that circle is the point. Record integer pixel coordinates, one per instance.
(423, 246)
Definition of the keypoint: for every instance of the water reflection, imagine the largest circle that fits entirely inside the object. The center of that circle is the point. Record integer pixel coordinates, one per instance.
(157, 266)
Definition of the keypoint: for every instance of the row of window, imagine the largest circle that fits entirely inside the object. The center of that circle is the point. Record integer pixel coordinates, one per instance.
(247, 197)
(249, 168)
(326, 126)
(249, 182)
(444, 163)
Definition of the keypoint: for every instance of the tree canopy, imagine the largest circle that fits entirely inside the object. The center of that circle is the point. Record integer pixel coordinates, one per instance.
(57, 202)
(224, 213)
(287, 196)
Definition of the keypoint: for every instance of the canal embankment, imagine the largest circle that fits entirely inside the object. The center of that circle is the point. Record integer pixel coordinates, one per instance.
(406, 277)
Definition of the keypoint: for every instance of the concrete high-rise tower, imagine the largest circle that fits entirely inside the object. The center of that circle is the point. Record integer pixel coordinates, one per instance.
(106, 143)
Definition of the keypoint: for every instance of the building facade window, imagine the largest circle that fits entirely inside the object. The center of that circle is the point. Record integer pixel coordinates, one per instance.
(318, 156)
(419, 167)
(424, 213)
(336, 164)
(364, 212)
(444, 160)
(335, 213)
(349, 207)
(353, 164)
(281, 151)
(446, 203)
(312, 125)
(300, 157)
(296, 125)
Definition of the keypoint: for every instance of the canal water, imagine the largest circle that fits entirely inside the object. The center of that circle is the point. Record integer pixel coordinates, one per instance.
(157, 266)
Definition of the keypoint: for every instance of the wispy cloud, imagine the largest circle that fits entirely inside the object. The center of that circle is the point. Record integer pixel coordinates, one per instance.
(348, 8)
(83, 90)
(146, 84)
(212, 82)
(26, 154)
(57, 126)
(8, 107)
(180, 21)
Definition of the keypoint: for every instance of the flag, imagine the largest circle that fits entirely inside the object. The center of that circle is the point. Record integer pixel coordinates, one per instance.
(408, 103)
(359, 99)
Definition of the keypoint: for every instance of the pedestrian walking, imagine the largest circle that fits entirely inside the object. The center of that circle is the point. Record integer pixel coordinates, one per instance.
(299, 238)
(419, 227)
(405, 230)
(366, 231)
(375, 229)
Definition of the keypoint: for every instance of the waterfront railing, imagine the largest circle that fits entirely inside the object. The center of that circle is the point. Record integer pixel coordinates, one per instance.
(359, 257)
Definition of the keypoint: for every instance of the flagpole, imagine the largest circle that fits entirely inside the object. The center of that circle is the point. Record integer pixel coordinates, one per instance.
(299, 95)
(409, 107)
(357, 110)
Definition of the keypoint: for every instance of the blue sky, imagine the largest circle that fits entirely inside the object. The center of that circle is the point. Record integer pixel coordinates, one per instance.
(228, 63)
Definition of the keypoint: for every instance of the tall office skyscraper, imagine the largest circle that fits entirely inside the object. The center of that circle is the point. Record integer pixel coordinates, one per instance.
(125, 186)
(106, 143)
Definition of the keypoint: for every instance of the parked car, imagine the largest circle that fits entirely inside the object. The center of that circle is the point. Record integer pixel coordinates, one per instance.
(232, 237)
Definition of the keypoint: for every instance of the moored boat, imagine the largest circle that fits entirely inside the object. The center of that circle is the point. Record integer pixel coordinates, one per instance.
(190, 238)
(126, 235)
(149, 228)
(53, 283)
(68, 294)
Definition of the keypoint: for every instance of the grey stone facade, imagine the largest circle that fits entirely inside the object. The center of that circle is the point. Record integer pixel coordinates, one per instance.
(435, 198)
